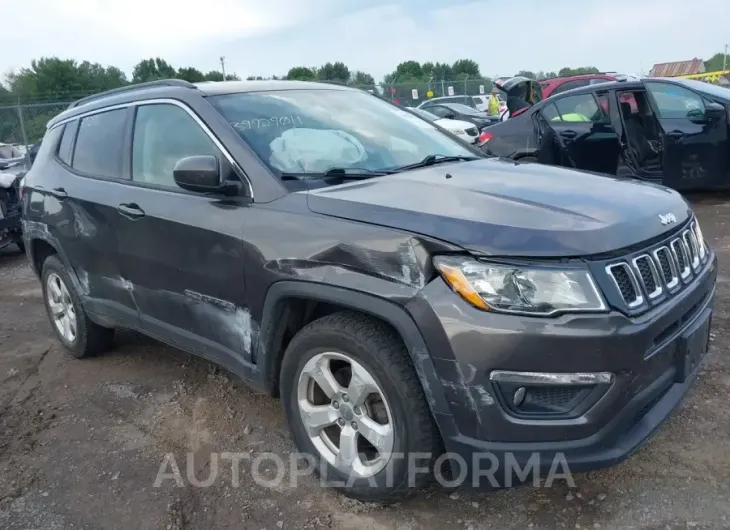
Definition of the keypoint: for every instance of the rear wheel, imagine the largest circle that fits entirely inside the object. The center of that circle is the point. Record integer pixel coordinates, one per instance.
(354, 404)
(73, 328)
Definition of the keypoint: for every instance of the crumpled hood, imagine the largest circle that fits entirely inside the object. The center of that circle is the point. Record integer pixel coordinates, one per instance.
(498, 207)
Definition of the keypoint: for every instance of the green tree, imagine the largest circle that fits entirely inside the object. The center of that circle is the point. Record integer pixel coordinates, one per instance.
(581, 70)
(53, 78)
(151, 70)
(215, 75)
(465, 67)
(193, 75)
(337, 72)
(409, 69)
(301, 73)
(715, 63)
(361, 79)
(437, 71)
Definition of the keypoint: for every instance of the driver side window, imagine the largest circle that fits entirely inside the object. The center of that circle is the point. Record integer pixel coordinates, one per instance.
(441, 112)
(163, 134)
(676, 102)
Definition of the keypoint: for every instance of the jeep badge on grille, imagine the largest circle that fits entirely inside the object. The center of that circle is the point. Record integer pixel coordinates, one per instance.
(667, 218)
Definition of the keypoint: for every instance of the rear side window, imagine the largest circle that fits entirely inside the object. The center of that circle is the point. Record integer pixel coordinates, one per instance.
(581, 108)
(675, 102)
(100, 144)
(64, 147)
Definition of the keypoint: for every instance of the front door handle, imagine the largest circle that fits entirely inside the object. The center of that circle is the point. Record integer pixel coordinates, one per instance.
(568, 134)
(130, 210)
(59, 193)
(676, 134)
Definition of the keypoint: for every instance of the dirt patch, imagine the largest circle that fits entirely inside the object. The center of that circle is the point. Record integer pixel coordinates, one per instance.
(82, 443)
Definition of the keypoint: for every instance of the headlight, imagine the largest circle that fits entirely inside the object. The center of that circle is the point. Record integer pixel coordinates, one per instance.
(532, 290)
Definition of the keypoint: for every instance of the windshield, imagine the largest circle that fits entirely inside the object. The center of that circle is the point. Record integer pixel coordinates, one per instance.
(707, 88)
(313, 131)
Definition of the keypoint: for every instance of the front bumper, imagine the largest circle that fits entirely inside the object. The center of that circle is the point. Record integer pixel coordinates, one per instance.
(643, 353)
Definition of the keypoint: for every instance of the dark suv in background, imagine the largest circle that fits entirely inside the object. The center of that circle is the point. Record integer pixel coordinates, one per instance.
(401, 293)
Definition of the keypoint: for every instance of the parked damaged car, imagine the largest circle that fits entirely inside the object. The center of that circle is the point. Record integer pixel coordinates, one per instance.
(402, 294)
(668, 131)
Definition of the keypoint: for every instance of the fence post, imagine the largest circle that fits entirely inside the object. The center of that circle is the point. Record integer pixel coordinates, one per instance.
(23, 133)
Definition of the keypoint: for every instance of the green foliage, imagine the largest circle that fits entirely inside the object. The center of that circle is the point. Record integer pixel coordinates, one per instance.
(362, 79)
(152, 70)
(62, 78)
(714, 63)
(193, 75)
(336, 72)
(301, 73)
(581, 70)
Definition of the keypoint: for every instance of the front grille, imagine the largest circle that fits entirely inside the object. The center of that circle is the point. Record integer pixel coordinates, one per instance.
(661, 270)
(472, 131)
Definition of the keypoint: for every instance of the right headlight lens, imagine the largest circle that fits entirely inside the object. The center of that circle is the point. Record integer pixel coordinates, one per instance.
(521, 289)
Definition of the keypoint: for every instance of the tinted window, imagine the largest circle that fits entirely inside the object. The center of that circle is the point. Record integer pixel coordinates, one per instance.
(163, 134)
(100, 143)
(64, 147)
(312, 131)
(570, 85)
(425, 114)
(463, 109)
(439, 111)
(581, 108)
(550, 113)
(673, 101)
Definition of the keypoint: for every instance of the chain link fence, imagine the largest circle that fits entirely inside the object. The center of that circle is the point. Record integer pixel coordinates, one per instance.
(415, 93)
(24, 124)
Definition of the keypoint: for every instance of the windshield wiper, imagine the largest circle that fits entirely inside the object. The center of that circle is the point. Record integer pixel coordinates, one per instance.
(432, 160)
(343, 173)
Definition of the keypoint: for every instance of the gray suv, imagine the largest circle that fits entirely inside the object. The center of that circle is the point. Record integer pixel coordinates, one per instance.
(415, 305)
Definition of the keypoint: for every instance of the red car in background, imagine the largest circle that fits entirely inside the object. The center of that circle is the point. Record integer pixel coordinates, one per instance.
(557, 85)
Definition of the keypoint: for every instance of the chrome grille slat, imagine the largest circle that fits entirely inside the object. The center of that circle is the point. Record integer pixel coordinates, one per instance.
(632, 297)
(668, 267)
(643, 279)
(647, 272)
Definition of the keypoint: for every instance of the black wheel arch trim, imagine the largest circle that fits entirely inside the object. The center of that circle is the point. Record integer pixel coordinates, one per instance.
(31, 235)
(395, 315)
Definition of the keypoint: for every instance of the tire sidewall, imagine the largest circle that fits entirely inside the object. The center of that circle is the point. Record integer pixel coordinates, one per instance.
(53, 265)
(302, 349)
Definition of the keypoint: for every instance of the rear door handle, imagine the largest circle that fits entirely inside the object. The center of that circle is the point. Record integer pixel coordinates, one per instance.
(59, 193)
(130, 210)
(676, 134)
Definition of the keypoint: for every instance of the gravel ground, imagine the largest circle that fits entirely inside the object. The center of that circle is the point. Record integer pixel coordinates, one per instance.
(82, 442)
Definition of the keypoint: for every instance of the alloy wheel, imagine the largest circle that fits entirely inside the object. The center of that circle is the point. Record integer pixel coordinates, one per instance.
(61, 307)
(345, 414)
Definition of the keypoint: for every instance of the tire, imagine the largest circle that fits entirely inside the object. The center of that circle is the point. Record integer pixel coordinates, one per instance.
(89, 338)
(371, 346)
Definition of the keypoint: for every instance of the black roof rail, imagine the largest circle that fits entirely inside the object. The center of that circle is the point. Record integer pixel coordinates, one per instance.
(128, 88)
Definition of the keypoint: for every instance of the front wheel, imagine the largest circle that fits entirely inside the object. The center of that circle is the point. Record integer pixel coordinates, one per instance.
(354, 404)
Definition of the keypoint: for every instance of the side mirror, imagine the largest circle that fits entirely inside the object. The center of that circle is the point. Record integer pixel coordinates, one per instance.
(714, 110)
(200, 173)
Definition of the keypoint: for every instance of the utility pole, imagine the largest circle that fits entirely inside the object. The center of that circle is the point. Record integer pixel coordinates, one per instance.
(724, 59)
(223, 67)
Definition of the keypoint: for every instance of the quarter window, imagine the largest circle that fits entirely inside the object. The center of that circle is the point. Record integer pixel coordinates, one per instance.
(64, 147)
(163, 134)
(580, 108)
(99, 144)
(674, 101)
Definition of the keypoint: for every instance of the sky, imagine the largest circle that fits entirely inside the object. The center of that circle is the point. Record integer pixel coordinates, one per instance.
(267, 37)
